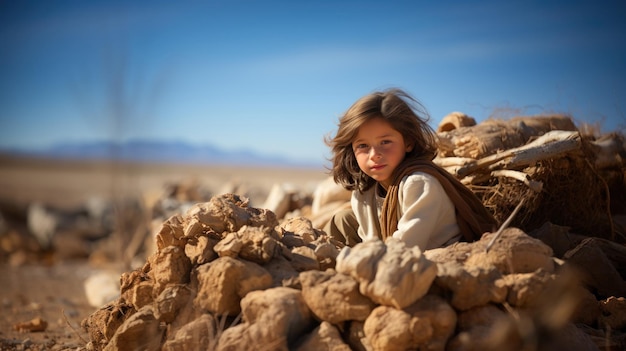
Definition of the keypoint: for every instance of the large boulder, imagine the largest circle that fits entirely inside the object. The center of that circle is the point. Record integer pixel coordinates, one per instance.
(389, 273)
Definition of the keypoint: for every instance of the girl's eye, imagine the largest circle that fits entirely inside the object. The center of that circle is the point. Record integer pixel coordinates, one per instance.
(360, 148)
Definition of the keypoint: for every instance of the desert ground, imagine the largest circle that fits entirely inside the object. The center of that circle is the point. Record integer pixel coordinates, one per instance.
(46, 285)
(63, 223)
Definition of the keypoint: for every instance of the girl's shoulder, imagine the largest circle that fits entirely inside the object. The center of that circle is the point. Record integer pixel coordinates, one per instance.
(420, 184)
(417, 182)
(418, 178)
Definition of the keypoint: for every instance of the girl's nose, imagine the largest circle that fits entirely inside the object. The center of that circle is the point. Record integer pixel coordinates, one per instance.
(375, 152)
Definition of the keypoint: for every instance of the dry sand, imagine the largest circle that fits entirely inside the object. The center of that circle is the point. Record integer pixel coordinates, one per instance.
(68, 183)
(54, 290)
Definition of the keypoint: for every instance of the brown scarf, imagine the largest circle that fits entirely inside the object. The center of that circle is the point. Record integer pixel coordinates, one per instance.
(471, 216)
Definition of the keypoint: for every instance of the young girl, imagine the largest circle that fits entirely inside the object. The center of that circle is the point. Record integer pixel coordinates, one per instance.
(383, 153)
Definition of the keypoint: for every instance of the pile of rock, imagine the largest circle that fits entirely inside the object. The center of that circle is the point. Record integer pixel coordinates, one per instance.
(227, 276)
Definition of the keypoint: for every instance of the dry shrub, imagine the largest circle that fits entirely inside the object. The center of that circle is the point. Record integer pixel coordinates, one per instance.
(573, 195)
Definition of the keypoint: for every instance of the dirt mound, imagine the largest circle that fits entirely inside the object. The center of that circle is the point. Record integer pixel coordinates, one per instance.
(226, 276)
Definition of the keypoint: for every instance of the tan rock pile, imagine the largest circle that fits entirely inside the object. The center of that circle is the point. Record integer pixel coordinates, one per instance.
(227, 276)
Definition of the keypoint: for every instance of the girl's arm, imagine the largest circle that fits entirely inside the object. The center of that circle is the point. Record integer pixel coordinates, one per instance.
(427, 215)
(366, 213)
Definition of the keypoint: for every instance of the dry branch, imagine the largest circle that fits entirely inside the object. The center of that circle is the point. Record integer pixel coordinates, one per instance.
(550, 145)
(522, 177)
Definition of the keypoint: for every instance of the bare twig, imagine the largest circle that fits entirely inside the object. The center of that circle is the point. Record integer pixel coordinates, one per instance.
(608, 198)
(504, 225)
(72, 327)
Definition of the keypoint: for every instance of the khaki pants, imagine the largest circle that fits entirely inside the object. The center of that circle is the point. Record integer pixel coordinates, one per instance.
(343, 227)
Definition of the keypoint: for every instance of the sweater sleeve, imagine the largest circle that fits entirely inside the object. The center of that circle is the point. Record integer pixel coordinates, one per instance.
(427, 216)
(366, 213)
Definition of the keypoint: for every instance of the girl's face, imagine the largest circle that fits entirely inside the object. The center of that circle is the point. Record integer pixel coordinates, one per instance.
(379, 149)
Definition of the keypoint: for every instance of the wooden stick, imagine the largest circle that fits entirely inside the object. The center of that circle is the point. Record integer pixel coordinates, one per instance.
(521, 176)
(504, 225)
(549, 145)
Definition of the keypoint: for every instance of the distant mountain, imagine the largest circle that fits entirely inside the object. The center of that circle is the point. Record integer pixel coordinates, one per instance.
(160, 151)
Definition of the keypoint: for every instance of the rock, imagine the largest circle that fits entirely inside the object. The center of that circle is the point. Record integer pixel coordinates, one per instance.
(481, 316)
(104, 322)
(200, 249)
(136, 288)
(292, 240)
(224, 282)
(328, 198)
(600, 265)
(221, 213)
(613, 313)
(141, 331)
(328, 192)
(471, 286)
(279, 199)
(36, 324)
(199, 334)
(171, 233)
(571, 338)
(326, 253)
(170, 302)
(389, 328)
(442, 317)
(513, 252)
(42, 223)
(256, 244)
(324, 337)
(101, 288)
(390, 274)
(274, 318)
(141, 294)
(476, 328)
(187, 312)
(527, 289)
(229, 212)
(302, 227)
(281, 270)
(169, 266)
(303, 258)
(356, 337)
(193, 228)
(588, 309)
(326, 250)
(439, 314)
(475, 339)
(559, 238)
(229, 246)
(457, 252)
(334, 297)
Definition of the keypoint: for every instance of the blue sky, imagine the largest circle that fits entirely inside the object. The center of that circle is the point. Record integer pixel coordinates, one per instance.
(274, 76)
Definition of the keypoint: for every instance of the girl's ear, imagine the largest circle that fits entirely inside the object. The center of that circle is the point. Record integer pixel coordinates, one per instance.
(409, 148)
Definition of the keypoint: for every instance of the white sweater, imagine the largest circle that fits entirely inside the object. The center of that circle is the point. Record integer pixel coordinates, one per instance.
(426, 215)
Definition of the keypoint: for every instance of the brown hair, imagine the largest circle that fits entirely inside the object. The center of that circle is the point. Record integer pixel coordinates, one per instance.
(404, 113)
